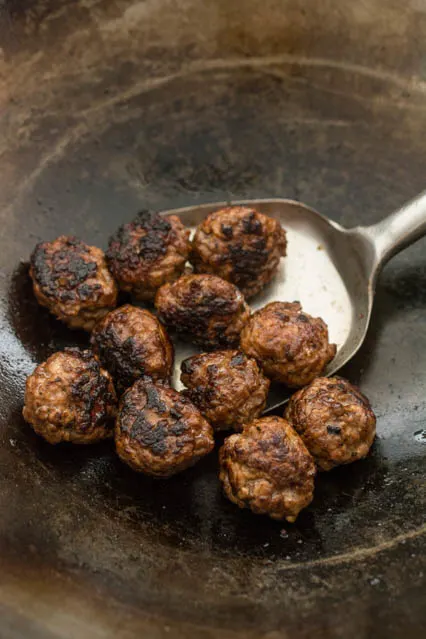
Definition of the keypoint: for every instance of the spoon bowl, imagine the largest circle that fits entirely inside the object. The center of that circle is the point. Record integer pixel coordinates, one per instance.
(330, 270)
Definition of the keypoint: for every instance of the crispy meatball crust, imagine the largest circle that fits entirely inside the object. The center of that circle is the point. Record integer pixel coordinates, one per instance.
(227, 386)
(159, 431)
(72, 280)
(240, 245)
(334, 419)
(70, 398)
(268, 469)
(205, 309)
(291, 346)
(148, 252)
(131, 343)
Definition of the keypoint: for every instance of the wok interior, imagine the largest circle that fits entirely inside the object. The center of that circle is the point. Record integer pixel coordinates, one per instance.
(118, 106)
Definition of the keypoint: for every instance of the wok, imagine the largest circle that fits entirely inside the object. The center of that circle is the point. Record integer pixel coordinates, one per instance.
(108, 107)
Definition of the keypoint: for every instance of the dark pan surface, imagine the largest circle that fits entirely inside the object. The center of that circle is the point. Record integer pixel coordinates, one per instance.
(108, 107)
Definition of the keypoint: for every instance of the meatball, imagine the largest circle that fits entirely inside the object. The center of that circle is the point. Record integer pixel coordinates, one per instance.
(268, 469)
(159, 431)
(205, 309)
(148, 252)
(227, 387)
(72, 280)
(291, 346)
(241, 245)
(131, 343)
(70, 398)
(334, 419)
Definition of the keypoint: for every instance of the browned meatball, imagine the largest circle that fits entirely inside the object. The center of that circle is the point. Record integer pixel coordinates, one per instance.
(205, 309)
(159, 431)
(72, 280)
(131, 343)
(70, 398)
(291, 346)
(227, 387)
(334, 419)
(241, 245)
(148, 252)
(268, 469)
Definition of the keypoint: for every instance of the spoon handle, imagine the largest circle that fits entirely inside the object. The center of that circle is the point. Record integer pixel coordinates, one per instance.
(398, 230)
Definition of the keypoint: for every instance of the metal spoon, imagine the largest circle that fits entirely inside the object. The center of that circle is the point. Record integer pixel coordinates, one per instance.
(331, 270)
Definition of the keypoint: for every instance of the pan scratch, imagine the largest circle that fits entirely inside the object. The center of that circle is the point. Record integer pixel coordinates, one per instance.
(358, 554)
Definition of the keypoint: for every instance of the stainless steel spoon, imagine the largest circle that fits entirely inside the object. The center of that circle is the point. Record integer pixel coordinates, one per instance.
(331, 270)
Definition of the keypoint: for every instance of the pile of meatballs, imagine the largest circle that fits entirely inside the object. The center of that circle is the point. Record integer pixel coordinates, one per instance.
(121, 387)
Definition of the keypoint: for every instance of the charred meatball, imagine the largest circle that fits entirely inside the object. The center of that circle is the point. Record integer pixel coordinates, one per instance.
(268, 469)
(148, 252)
(291, 346)
(70, 398)
(72, 280)
(159, 431)
(205, 309)
(334, 419)
(227, 387)
(240, 245)
(131, 343)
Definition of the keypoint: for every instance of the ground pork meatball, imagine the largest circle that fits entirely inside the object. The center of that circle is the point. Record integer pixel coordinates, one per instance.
(159, 431)
(205, 309)
(240, 245)
(72, 280)
(227, 387)
(148, 252)
(70, 398)
(334, 419)
(130, 343)
(291, 346)
(268, 469)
